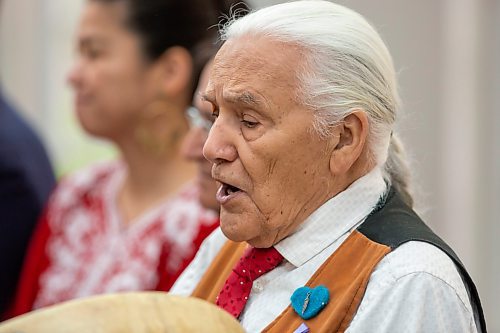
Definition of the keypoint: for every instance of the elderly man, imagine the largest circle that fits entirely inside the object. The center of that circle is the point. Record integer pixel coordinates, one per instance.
(318, 232)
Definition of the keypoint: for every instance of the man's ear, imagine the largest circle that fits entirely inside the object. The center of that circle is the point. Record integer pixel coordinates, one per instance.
(350, 138)
(175, 69)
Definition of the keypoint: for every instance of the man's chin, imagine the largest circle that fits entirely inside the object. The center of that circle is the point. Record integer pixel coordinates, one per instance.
(231, 233)
(243, 228)
(233, 226)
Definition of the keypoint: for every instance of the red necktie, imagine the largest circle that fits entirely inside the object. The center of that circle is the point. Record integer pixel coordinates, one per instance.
(254, 263)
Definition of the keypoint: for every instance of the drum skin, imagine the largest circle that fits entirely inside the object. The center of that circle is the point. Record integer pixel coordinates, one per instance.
(134, 312)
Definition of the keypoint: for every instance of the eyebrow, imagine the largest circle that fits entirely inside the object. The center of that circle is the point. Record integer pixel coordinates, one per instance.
(244, 97)
(207, 96)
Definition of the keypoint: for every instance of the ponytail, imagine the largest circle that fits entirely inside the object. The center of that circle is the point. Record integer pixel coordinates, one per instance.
(397, 170)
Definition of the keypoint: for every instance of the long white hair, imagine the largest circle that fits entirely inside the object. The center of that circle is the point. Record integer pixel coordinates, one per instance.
(346, 67)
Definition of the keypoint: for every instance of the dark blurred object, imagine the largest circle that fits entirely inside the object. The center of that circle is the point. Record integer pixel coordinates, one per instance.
(26, 179)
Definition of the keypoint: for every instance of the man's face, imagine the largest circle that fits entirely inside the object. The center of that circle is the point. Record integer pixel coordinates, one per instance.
(273, 167)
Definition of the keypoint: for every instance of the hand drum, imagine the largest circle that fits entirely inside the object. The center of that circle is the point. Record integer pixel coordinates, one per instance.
(136, 312)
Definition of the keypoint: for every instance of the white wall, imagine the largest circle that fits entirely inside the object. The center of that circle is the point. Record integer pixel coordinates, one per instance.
(36, 50)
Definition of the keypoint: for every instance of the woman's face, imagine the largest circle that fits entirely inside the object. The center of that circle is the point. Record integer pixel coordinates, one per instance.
(111, 77)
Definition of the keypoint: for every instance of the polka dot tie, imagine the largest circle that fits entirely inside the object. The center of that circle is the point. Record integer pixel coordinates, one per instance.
(254, 263)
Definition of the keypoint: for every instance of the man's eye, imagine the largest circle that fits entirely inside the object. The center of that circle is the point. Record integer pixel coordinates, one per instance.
(249, 124)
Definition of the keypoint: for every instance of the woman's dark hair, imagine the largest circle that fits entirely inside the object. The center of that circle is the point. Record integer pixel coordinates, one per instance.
(192, 24)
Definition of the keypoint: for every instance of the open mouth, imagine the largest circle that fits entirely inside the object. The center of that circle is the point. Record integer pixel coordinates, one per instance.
(229, 189)
(226, 192)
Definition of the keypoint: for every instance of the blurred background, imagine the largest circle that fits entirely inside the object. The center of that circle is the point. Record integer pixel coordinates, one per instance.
(446, 53)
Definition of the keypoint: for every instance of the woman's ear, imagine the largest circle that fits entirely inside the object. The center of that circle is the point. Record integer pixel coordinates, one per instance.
(350, 139)
(175, 71)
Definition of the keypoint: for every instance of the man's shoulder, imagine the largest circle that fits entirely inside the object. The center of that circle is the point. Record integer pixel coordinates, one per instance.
(415, 260)
(416, 287)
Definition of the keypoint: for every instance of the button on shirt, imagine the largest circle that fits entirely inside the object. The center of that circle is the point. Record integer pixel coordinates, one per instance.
(257, 287)
(415, 288)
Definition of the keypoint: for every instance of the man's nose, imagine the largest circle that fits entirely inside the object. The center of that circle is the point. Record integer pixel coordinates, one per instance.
(220, 146)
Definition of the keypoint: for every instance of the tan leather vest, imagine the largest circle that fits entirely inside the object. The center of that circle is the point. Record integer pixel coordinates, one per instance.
(345, 273)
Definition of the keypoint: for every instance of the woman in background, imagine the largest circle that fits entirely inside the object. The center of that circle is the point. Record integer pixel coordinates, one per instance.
(119, 226)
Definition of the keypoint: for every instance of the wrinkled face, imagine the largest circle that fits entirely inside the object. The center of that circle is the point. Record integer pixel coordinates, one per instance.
(272, 166)
(110, 77)
(201, 121)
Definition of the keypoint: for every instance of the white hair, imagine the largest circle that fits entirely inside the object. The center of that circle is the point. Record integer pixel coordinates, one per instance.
(347, 67)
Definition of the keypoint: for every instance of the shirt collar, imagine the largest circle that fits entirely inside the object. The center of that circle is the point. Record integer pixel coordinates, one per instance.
(333, 219)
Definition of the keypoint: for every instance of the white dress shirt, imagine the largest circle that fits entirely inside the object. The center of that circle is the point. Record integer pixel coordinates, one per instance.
(415, 288)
